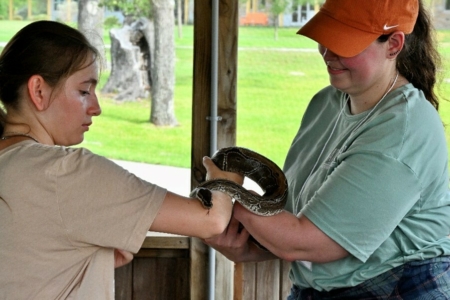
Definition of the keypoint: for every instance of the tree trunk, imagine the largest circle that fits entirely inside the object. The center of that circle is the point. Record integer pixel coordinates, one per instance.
(179, 19)
(163, 71)
(131, 61)
(90, 22)
(275, 24)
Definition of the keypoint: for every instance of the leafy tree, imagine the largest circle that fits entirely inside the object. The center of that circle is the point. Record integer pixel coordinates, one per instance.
(39, 7)
(132, 9)
(111, 22)
(4, 10)
(275, 8)
(18, 5)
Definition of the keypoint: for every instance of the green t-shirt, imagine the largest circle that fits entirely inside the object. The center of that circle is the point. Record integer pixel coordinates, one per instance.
(379, 188)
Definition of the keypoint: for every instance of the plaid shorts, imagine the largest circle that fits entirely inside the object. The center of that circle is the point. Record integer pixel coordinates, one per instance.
(417, 280)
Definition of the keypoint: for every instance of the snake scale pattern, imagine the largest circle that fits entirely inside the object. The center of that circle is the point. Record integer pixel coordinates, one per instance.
(256, 167)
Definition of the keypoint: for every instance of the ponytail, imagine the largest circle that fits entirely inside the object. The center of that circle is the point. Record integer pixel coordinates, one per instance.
(420, 60)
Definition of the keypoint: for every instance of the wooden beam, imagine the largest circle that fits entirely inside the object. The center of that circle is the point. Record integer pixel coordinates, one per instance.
(166, 242)
(30, 10)
(227, 87)
(200, 136)
(238, 289)
(49, 9)
(11, 9)
(186, 11)
(69, 11)
(228, 35)
(226, 131)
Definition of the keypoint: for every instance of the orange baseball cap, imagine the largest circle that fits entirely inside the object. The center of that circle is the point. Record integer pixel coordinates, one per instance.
(347, 27)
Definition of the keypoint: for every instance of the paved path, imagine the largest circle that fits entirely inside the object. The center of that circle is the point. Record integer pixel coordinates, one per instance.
(177, 180)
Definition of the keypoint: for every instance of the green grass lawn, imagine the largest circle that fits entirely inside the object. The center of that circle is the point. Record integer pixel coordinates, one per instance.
(273, 90)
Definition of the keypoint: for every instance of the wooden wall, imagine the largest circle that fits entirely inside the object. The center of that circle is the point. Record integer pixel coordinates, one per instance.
(263, 280)
(167, 268)
(159, 271)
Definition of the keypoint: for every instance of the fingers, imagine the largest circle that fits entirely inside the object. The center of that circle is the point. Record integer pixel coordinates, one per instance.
(234, 236)
(211, 168)
(236, 229)
(208, 163)
(122, 257)
(213, 172)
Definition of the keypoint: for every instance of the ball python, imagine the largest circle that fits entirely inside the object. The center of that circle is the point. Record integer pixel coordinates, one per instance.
(256, 167)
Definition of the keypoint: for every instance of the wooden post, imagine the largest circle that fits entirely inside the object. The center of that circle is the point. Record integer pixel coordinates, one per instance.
(226, 131)
(200, 136)
(11, 9)
(49, 9)
(30, 10)
(69, 10)
(186, 11)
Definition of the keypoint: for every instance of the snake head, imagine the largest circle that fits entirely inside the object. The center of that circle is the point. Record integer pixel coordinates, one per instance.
(205, 197)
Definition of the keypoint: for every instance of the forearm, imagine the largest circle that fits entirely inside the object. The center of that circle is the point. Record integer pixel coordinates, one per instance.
(291, 238)
(187, 216)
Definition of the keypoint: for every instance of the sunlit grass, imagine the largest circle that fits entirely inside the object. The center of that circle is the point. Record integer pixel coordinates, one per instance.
(274, 87)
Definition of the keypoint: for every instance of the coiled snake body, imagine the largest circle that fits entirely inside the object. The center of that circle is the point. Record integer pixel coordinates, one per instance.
(256, 167)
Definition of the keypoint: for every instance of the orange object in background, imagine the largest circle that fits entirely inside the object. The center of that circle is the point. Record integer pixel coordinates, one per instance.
(255, 18)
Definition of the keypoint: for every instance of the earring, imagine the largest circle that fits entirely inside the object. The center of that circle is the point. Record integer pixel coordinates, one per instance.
(394, 53)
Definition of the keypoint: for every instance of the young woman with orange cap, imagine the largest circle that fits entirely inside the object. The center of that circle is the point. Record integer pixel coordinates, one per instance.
(369, 204)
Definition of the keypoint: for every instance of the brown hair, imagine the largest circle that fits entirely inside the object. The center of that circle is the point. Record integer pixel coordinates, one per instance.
(50, 49)
(419, 59)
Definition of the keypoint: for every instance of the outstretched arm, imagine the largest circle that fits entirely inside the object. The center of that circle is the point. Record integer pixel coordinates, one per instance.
(290, 237)
(187, 216)
(285, 235)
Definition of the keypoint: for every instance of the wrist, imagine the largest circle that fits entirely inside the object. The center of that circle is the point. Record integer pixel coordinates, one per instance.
(239, 212)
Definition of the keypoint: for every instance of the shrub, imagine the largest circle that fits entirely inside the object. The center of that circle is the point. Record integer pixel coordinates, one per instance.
(39, 17)
(111, 22)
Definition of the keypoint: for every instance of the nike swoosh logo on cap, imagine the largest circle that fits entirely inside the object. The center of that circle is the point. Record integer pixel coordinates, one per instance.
(389, 27)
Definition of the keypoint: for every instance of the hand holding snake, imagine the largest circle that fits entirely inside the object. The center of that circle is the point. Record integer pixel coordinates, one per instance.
(249, 164)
